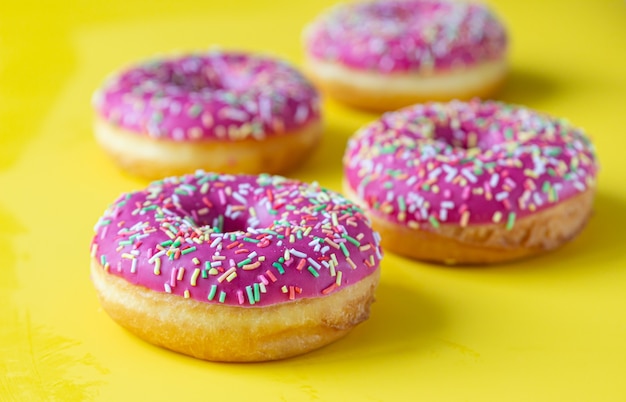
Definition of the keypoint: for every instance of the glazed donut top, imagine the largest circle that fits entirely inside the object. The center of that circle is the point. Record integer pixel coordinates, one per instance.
(236, 240)
(467, 163)
(404, 35)
(213, 95)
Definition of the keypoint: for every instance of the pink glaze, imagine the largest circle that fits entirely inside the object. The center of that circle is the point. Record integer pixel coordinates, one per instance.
(211, 95)
(467, 163)
(406, 35)
(237, 240)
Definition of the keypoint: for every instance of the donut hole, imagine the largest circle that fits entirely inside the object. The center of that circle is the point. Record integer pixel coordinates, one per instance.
(202, 76)
(464, 136)
(210, 216)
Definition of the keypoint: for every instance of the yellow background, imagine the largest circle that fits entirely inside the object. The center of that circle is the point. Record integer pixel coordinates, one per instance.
(551, 328)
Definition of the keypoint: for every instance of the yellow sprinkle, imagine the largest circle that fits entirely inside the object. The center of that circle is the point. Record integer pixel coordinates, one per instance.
(186, 294)
(157, 266)
(196, 261)
(352, 264)
(497, 217)
(333, 218)
(181, 272)
(231, 276)
(338, 279)
(194, 276)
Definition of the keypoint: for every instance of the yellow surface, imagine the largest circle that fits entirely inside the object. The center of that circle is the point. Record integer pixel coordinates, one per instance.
(547, 329)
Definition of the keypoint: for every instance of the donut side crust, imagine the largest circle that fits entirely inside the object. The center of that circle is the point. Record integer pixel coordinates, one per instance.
(487, 243)
(154, 158)
(229, 333)
(379, 92)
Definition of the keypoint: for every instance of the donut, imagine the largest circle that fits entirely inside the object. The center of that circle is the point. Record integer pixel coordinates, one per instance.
(385, 54)
(228, 112)
(471, 182)
(235, 267)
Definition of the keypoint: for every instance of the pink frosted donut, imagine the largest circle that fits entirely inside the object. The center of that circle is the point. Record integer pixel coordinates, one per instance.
(384, 54)
(222, 111)
(235, 267)
(475, 182)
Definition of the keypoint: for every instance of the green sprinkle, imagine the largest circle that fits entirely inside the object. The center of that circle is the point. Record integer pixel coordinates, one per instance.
(188, 250)
(195, 110)
(205, 273)
(244, 262)
(250, 294)
(212, 292)
(103, 260)
(222, 296)
(105, 222)
(250, 240)
(257, 292)
(125, 243)
(313, 271)
(401, 203)
(279, 267)
(351, 240)
(177, 243)
(149, 208)
(344, 249)
(511, 221)
(157, 117)
(545, 187)
(434, 221)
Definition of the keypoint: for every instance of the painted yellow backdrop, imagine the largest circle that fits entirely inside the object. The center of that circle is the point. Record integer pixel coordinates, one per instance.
(547, 329)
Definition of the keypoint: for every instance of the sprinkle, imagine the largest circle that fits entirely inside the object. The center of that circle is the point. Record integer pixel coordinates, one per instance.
(271, 275)
(181, 272)
(330, 288)
(212, 292)
(279, 267)
(249, 267)
(297, 253)
(229, 272)
(510, 221)
(338, 278)
(157, 266)
(313, 271)
(194, 276)
(188, 250)
(344, 249)
(222, 297)
(250, 294)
